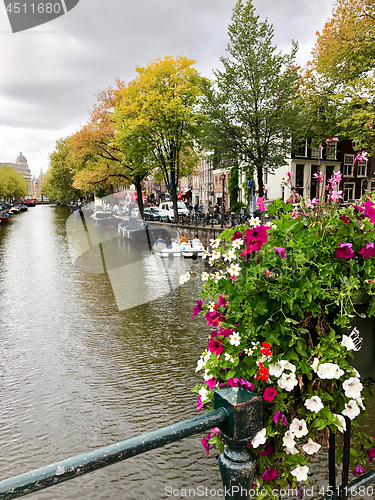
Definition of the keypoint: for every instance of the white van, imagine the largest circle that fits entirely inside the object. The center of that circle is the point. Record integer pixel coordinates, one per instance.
(166, 210)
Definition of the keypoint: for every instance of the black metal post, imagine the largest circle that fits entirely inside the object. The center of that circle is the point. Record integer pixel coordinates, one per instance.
(345, 462)
(332, 465)
(236, 463)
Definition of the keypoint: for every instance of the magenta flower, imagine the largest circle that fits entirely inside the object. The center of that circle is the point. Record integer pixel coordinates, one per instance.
(268, 450)
(281, 252)
(255, 239)
(334, 180)
(368, 250)
(222, 301)
(289, 176)
(345, 219)
(320, 176)
(344, 251)
(200, 405)
(211, 382)
(358, 470)
(237, 236)
(335, 195)
(240, 382)
(226, 332)
(269, 474)
(369, 210)
(206, 444)
(214, 430)
(279, 415)
(269, 394)
(361, 157)
(215, 346)
(329, 140)
(214, 318)
(371, 454)
(197, 309)
(260, 204)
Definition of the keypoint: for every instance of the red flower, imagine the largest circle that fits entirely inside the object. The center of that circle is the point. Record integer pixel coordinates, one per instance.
(266, 349)
(345, 219)
(269, 394)
(263, 373)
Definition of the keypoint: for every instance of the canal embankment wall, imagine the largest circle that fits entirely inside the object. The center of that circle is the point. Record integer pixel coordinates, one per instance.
(205, 234)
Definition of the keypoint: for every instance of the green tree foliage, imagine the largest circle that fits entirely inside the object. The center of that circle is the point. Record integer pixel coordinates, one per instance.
(158, 113)
(12, 184)
(339, 81)
(251, 107)
(58, 184)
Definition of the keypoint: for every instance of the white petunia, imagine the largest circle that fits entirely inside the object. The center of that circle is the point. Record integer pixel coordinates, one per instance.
(237, 243)
(291, 451)
(287, 366)
(329, 371)
(234, 339)
(347, 342)
(215, 243)
(203, 394)
(288, 439)
(352, 388)
(299, 427)
(200, 365)
(360, 402)
(234, 270)
(276, 370)
(205, 276)
(351, 409)
(300, 472)
(314, 366)
(229, 357)
(342, 426)
(287, 381)
(314, 404)
(259, 438)
(310, 448)
(355, 372)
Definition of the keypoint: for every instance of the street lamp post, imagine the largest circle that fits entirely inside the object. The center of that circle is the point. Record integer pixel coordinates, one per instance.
(223, 199)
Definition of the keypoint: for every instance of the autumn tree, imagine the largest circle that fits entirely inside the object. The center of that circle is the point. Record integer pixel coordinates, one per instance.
(100, 161)
(158, 111)
(339, 81)
(58, 184)
(250, 107)
(12, 184)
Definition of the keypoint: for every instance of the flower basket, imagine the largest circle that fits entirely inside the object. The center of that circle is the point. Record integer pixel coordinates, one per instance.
(281, 301)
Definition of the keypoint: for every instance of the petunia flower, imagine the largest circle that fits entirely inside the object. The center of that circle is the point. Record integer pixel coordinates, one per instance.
(279, 415)
(358, 470)
(237, 235)
(368, 250)
(288, 439)
(347, 342)
(345, 219)
(330, 371)
(352, 387)
(342, 424)
(299, 427)
(197, 309)
(369, 210)
(351, 409)
(314, 404)
(371, 454)
(214, 318)
(310, 448)
(269, 474)
(287, 381)
(281, 252)
(269, 394)
(210, 382)
(206, 444)
(300, 472)
(344, 251)
(259, 438)
(200, 405)
(268, 450)
(203, 392)
(215, 346)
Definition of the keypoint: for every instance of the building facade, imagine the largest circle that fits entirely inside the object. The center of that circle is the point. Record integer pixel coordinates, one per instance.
(21, 167)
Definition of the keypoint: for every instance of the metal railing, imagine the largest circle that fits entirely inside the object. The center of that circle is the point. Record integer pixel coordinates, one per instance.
(233, 406)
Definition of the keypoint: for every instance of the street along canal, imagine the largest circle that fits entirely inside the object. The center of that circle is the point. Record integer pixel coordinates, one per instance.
(85, 363)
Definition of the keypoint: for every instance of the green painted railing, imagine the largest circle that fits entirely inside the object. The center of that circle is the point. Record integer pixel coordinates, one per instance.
(237, 413)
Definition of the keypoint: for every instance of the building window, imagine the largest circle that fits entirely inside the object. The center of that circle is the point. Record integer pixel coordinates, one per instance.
(364, 186)
(349, 192)
(332, 151)
(215, 180)
(329, 172)
(361, 169)
(372, 186)
(317, 152)
(301, 150)
(299, 178)
(348, 165)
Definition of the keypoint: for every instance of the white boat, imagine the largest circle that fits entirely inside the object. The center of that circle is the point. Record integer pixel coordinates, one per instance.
(192, 251)
(161, 250)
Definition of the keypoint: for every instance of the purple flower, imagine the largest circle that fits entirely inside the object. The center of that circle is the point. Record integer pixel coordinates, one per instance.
(205, 444)
(268, 449)
(269, 394)
(279, 415)
(240, 382)
(197, 309)
(269, 474)
(358, 470)
(368, 250)
(281, 252)
(344, 251)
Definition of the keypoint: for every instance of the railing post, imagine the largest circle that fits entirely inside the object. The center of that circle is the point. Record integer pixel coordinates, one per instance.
(236, 463)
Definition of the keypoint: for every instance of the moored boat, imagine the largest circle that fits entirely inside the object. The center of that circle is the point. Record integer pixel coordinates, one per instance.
(141, 232)
(161, 250)
(192, 250)
(105, 219)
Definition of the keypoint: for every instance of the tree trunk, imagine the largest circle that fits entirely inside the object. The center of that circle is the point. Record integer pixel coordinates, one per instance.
(137, 182)
(260, 180)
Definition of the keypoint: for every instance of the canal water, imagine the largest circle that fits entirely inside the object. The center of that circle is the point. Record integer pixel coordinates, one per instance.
(97, 345)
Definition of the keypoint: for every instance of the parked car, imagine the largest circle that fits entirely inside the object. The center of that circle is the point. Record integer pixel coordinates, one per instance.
(166, 210)
(135, 212)
(151, 213)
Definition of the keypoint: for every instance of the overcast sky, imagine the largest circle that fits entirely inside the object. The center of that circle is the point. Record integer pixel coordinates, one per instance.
(51, 74)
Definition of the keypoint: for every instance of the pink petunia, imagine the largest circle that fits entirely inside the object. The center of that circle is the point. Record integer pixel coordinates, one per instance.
(344, 251)
(268, 450)
(369, 210)
(200, 405)
(197, 309)
(368, 250)
(215, 346)
(237, 236)
(281, 252)
(269, 394)
(222, 301)
(358, 470)
(269, 474)
(211, 382)
(206, 444)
